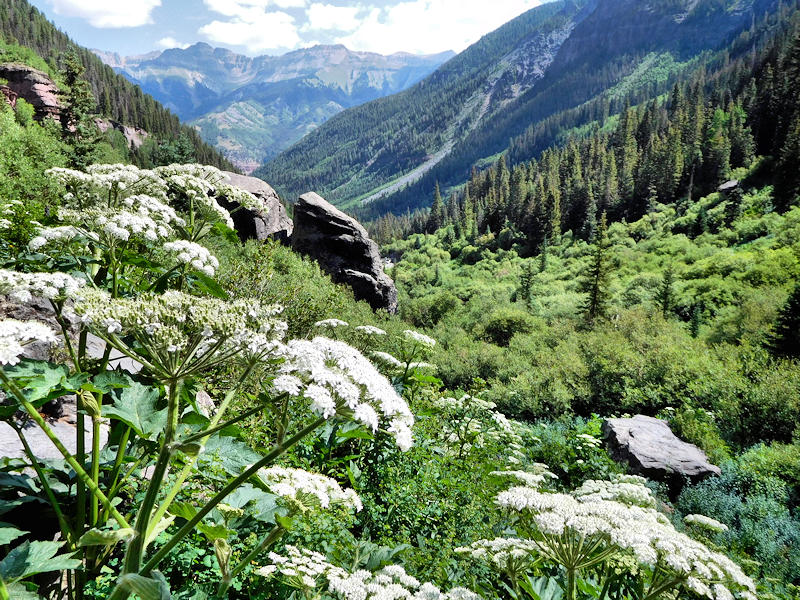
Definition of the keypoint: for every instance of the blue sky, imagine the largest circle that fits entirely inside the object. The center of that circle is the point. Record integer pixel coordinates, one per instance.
(276, 26)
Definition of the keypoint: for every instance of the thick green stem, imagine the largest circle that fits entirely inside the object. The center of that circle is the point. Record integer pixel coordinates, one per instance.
(95, 505)
(4, 594)
(83, 476)
(135, 551)
(66, 530)
(571, 584)
(276, 452)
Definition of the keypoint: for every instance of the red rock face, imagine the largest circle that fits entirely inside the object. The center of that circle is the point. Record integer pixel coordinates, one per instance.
(33, 86)
(9, 94)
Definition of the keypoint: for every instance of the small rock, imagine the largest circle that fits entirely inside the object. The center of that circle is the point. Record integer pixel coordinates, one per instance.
(253, 225)
(343, 249)
(728, 186)
(653, 451)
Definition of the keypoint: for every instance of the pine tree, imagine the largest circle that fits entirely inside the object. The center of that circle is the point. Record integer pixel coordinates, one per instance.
(666, 293)
(786, 338)
(77, 127)
(696, 320)
(596, 282)
(436, 218)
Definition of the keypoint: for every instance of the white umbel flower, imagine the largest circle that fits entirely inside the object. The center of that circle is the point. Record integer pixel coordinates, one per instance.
(15, 335)
(310, 489)
(419, 338)
(193, 255)
(21, 287)
(333, 323)
(705, 522)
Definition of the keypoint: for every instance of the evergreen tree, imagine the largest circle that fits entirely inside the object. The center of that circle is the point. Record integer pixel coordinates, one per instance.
(786, 339)
(733, 208)
(436, 218)
(78, 105)
(596, 282)
(666, 293)
(696, 320)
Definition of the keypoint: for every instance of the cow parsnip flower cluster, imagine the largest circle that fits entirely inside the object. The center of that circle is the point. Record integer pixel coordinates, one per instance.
(61, 235)
(337, 379)
(626, 489)
(419, 338)
(182, 333)
(705, 522)
(472, 422)
(510, 556)
(308, 490)
(193, 255)
(614, 520)
(21, 287)
(243, 198)
(15, 335)
(6, 210)
(537, 476)
(307, 570)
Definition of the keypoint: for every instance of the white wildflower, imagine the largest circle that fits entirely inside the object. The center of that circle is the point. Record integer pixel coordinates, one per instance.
(705, 522)
(370, 330)
(21, 287)
(194, 255)
(15, 335)
(419, 338)
(310, 489)
(333, 323)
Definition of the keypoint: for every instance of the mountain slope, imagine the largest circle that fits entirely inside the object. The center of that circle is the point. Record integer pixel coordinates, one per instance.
(117, 97)
(586, 49)
(252, 108)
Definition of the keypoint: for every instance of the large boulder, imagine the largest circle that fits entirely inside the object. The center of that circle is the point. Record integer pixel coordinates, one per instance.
(653, 451)
(34, 86)
(343, 249)
(254, 225)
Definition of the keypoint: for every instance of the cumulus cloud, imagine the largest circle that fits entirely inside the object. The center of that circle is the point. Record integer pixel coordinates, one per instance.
(254, 24)
(108, 13)
(170, 42)
(260, 32)
(428, 26)
(329, 16)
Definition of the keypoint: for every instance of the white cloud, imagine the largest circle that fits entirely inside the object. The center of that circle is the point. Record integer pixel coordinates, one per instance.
(328, 16)
(259, 32)
(170, 42)
(428, 26)
(248, 8)
(108, 13)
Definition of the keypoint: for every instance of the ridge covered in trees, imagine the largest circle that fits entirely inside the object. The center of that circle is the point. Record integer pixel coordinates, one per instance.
(116, 98)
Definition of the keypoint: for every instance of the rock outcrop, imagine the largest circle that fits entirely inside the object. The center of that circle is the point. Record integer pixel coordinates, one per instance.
(135, 136)
(343, 249)
(253, 225)
(32, 85)
(652, 450)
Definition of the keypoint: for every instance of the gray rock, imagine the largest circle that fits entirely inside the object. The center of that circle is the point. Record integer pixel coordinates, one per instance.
(41, 446)
(343, 249)
(653, 451)
(253, 225)
(728, 186)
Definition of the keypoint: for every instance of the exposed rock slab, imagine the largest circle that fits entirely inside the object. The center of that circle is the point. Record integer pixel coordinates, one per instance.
(135, 136)
(255, 225)
(34, 86)
(653, 451)
(343, 249)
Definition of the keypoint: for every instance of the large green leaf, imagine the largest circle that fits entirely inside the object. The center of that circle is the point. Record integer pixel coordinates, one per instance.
(136, 407)
(227, 453)
(31, 558)
(17, 591)
(43, 381)
(8, 533)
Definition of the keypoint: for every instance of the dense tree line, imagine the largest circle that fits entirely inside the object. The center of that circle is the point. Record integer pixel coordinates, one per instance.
(664, 151)
(117, 98)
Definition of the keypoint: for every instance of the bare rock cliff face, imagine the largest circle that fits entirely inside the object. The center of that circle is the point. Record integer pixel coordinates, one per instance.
(32, 85)
(343, 249)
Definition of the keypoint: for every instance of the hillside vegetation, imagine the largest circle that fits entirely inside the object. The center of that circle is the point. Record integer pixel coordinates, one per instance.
(115, 97)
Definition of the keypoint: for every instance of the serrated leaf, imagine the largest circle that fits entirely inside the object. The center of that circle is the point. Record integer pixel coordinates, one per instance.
(31, 558)
(8, 534)
(184, 510)
(18, 591)
(227, 453)
(109, 380)
(101, 537)
(136, 407)
(213, 532)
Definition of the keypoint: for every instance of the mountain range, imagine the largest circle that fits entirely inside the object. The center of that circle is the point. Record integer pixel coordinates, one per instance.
(557, 70)
(253, 108)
